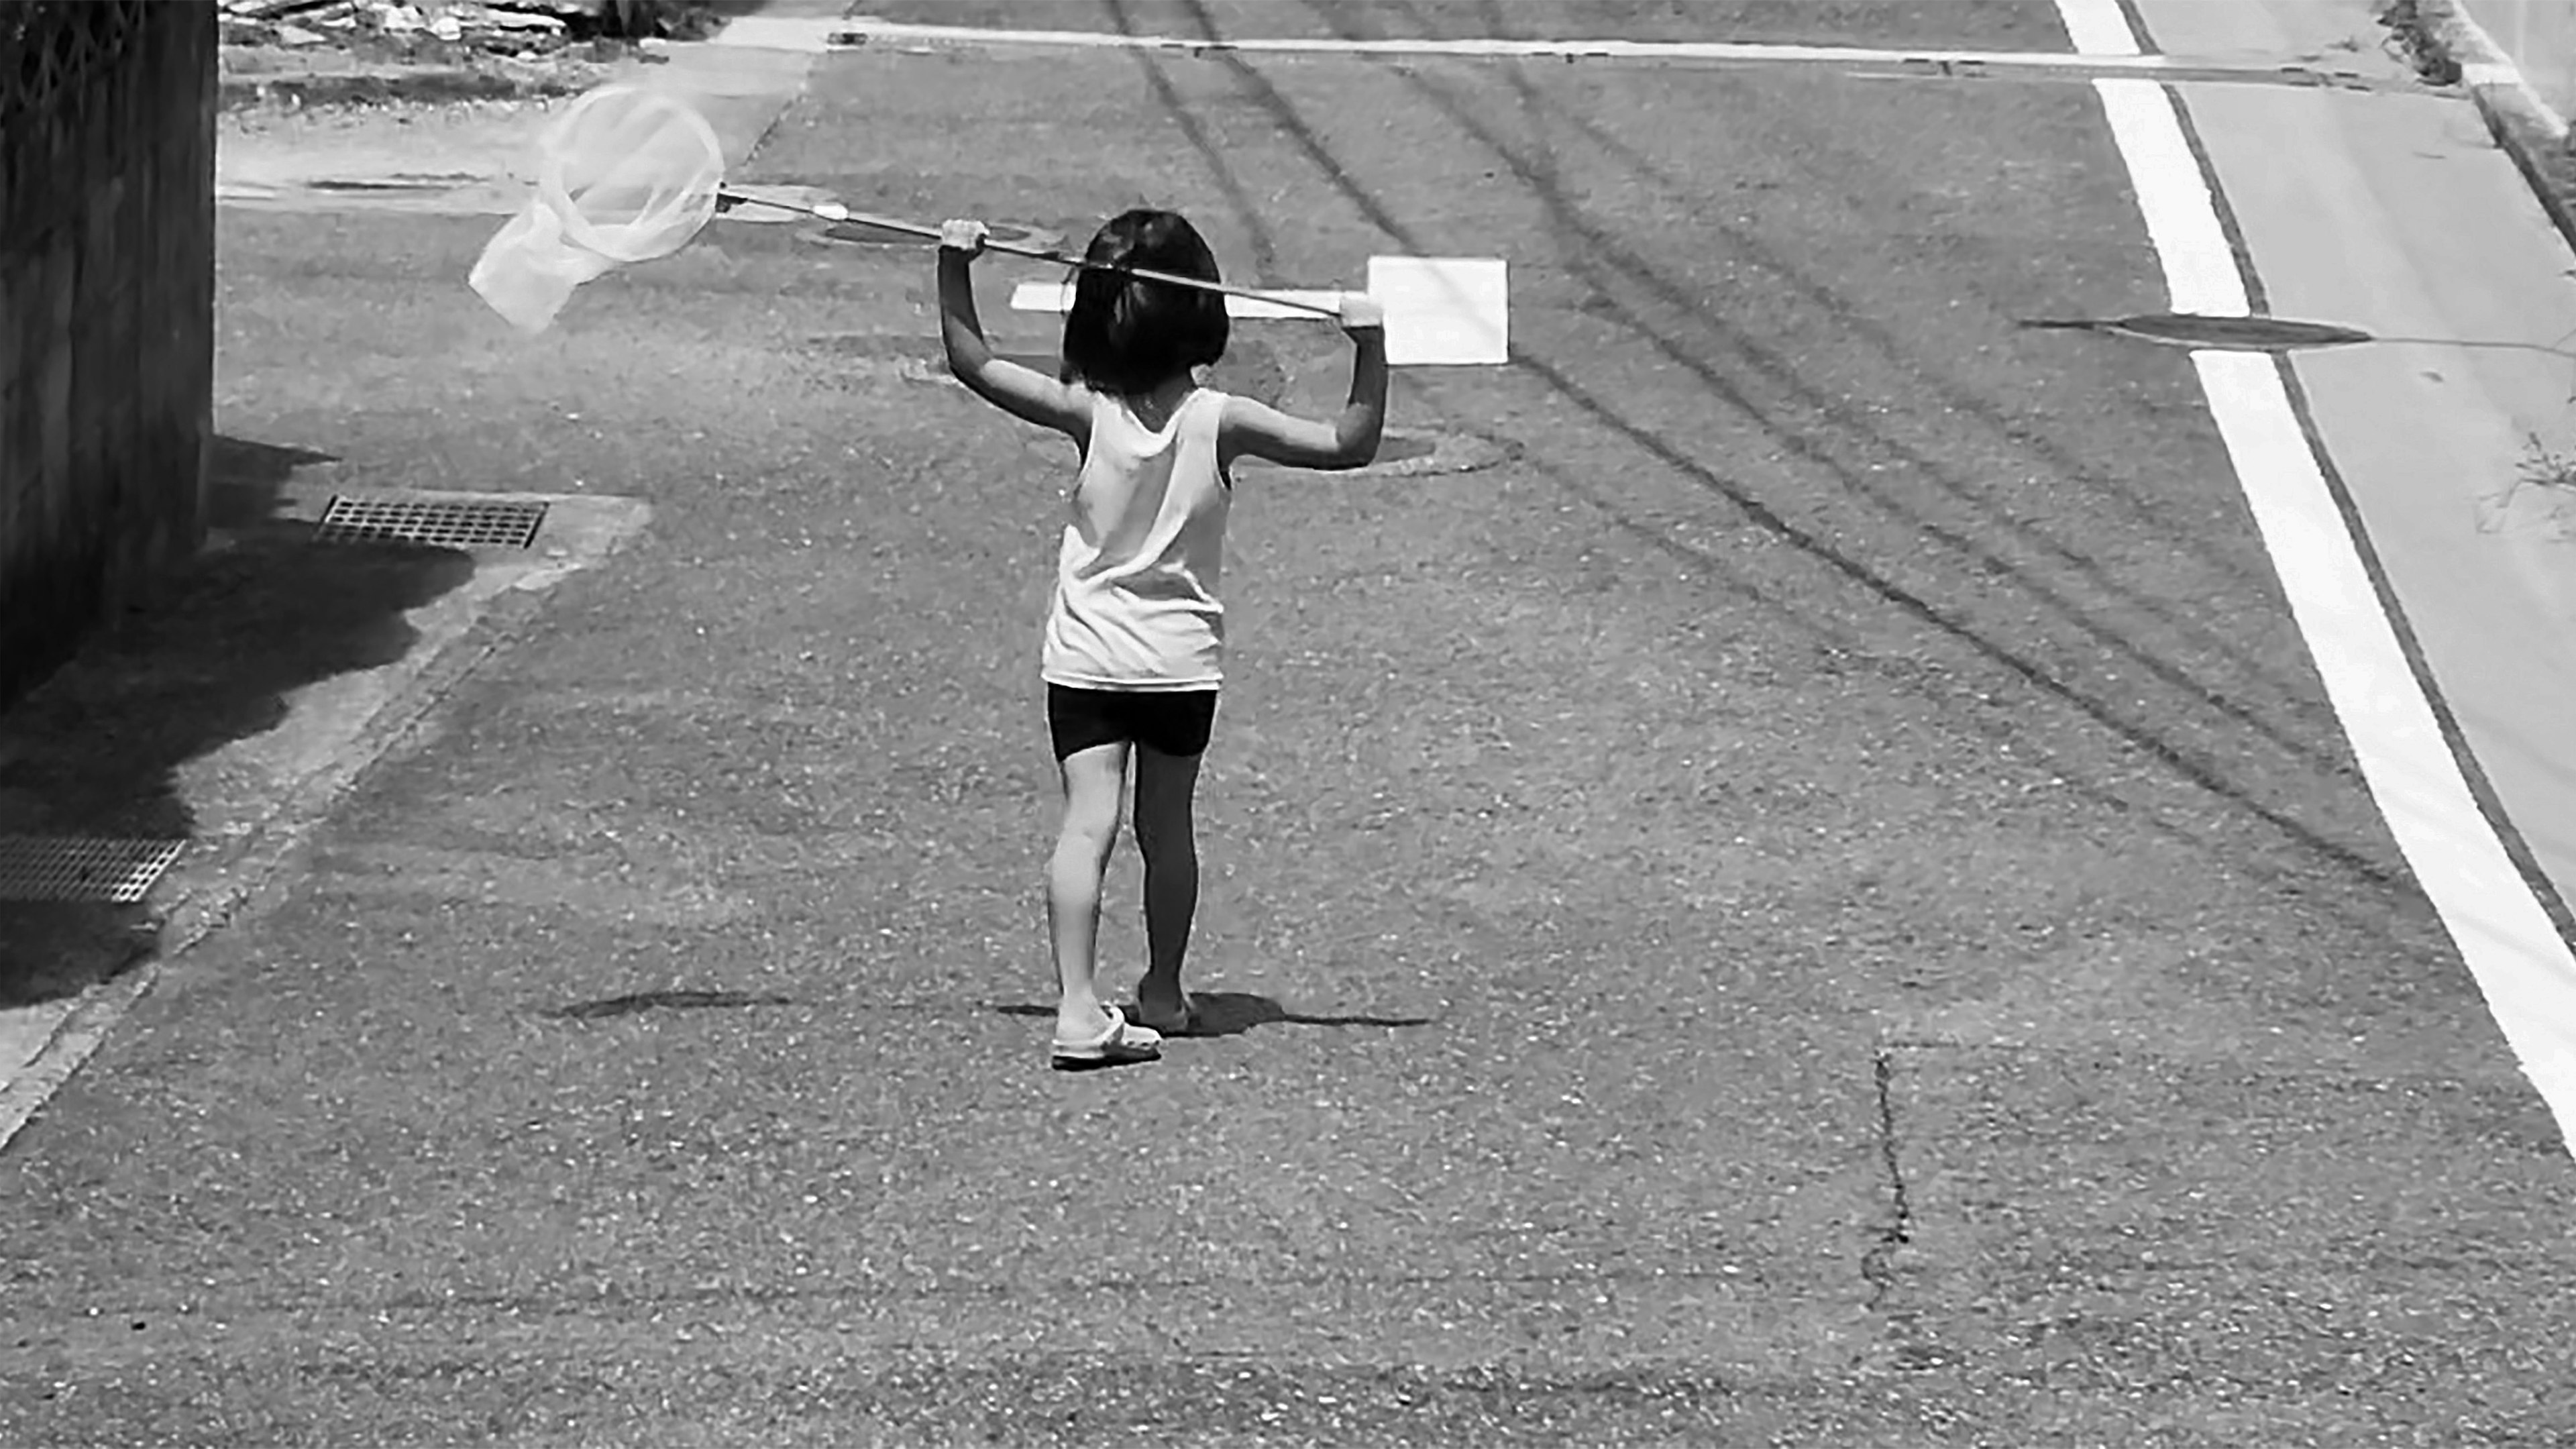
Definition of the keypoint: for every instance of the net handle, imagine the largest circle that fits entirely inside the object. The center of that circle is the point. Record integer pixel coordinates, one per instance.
(834, 211)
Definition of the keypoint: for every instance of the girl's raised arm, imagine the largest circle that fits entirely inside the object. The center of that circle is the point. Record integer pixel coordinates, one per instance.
(1251, 429)
(1023, 392)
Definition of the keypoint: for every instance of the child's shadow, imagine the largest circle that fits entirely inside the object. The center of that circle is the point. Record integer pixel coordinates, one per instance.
(1233, 1013)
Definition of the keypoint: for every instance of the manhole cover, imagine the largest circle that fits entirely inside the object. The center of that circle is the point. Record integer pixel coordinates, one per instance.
(1404, 453)
(875, 346)
(435, 522)
(1251, 369)
(82, 868)
(1248, 369)
(1410, 453)
(2231, 334)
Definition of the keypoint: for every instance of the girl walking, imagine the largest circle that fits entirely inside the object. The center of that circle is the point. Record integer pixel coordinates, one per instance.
(1135, 636)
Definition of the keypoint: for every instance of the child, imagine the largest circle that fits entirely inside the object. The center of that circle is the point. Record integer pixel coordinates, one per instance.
(1134, 634)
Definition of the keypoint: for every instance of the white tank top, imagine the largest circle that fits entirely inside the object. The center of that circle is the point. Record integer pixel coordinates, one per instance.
(1135, 603)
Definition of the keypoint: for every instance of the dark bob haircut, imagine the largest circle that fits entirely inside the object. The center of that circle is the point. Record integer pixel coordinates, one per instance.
(1127, 335)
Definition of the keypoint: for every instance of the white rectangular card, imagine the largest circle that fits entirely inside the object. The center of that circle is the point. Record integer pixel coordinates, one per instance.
(1443, 311)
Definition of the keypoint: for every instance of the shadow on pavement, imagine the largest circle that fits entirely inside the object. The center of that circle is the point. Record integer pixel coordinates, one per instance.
(247, 479)
(636, 1003)
(115, 743)
(1232, 1013)
(1730, 362)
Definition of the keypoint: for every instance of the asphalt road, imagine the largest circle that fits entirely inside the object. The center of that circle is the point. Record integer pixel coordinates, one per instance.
(1819, 900)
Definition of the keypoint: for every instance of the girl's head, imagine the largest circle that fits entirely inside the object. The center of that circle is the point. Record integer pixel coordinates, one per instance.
(1128, 335)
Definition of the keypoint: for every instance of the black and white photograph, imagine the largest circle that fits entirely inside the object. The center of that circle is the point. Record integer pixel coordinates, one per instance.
(1243, 724)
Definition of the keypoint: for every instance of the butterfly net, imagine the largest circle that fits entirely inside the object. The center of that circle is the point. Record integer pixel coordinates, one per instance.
(624, 175)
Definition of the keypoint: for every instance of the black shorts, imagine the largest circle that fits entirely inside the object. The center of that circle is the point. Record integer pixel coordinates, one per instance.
(1170, 721)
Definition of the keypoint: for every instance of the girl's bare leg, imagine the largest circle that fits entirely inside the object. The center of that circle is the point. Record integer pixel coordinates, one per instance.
(1166, 789)
(1092, 781)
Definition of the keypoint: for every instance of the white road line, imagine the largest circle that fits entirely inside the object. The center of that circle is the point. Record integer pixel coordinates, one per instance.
(2182, 220)
(2522, 966)
(2097, 28)
(866, 30)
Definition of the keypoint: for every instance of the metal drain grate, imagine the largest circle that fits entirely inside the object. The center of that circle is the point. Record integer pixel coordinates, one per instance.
(437, 522)
(81, 868)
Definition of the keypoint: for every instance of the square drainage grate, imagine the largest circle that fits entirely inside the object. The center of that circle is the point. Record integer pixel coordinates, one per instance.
(81, 868)
(436, 522)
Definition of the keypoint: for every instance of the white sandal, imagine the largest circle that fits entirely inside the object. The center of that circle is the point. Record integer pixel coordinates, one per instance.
(1121, 1041)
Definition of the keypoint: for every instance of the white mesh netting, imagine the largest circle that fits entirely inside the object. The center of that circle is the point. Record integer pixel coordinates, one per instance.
(624, 175)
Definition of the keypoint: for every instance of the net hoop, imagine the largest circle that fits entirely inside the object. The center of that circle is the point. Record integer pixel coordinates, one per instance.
(564, 143)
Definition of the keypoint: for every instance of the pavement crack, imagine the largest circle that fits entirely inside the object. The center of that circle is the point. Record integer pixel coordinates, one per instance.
(1877, 1265)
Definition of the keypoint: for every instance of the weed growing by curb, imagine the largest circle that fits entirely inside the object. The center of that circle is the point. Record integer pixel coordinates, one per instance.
(2411, 40)
(2544, 468)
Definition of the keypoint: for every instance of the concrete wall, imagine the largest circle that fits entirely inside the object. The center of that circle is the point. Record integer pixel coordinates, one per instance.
(107, 140)
(2540, 35)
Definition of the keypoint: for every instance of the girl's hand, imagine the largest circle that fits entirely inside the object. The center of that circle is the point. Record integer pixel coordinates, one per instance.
(1362, 313)
(963, 236)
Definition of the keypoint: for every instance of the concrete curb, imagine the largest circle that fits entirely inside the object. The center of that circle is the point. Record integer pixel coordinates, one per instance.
(790, 26)
(2527, 128)
(428, 85)
(325, 140)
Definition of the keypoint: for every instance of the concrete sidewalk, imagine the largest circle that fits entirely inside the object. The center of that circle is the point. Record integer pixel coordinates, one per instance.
(240, 766)
(227, 720)
(429, 152)
(2524, 108)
